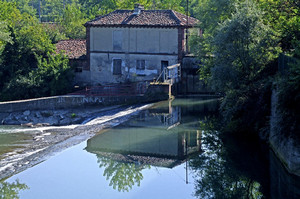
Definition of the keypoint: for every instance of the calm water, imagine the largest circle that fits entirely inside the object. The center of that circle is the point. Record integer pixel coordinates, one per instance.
(169, 151)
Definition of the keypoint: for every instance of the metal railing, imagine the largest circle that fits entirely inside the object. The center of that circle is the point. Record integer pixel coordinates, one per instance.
(170, 74)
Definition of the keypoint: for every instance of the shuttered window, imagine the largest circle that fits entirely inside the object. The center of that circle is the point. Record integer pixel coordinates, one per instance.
(117, 65)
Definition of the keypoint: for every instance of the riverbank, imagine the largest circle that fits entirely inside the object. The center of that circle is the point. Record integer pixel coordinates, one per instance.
(48, 140)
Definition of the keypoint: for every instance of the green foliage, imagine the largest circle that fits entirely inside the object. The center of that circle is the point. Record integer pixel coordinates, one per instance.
(72, 22)
(4, 34)
(15, 60)
(123, 176)
(283, 17)
(11, 190)
(28, 67)
(25, 6)
(210, 13)
(288, 87)
(52, 77)
(54, 32)
(242, 48)
(237, 52)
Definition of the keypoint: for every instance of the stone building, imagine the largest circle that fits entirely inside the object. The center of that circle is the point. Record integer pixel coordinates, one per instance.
(134, 45)
(75, 50)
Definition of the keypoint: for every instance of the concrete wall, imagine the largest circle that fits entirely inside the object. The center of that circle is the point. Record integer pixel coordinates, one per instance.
(282, 184)
(153, 45)
(62, 102)
(153, 93)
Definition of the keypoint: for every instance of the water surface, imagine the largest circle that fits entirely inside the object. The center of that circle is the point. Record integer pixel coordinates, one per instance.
(171, 150)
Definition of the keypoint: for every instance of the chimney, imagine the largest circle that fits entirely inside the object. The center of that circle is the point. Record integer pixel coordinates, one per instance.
(137, 9)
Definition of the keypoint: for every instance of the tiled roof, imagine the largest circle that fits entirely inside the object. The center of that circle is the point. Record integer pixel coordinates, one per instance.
(73, 48)
(163, 18)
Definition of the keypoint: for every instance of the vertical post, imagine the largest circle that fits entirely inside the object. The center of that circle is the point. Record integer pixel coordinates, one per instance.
(170, 91)
(186, 30)
(40, 11)
(88, 44)
(186, 163)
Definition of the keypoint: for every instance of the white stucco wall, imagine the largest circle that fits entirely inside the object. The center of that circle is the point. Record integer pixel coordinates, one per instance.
(153, 45)
(102, 69)
(141, 40)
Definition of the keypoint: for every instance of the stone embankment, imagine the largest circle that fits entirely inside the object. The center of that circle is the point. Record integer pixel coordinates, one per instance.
(287, 149)
(52, 117)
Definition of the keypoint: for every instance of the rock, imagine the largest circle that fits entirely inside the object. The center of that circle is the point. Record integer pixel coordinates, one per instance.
(47, 113)
(37, 115)
(41, 124)
(27, 125)
(26, 113)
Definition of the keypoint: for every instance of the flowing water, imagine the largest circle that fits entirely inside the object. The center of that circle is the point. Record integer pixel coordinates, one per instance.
(171, 150)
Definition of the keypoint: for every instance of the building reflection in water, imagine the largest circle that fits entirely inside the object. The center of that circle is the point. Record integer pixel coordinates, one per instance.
(160, 136)
(155, 134)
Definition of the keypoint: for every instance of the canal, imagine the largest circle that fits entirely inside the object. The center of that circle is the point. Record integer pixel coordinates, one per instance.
(170, 150)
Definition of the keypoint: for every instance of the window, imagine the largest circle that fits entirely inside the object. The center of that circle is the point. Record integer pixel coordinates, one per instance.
(117, 63)
(140, 67)
(117, 40)
(140, 64)
(164, 64)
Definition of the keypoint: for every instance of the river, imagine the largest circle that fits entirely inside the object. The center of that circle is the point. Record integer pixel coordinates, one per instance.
(170, 150)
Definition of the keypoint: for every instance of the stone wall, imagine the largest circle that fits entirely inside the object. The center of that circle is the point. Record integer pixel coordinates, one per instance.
(285, 148)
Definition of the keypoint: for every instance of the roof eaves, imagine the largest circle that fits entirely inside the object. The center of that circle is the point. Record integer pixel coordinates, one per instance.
(140, 26)
(176, 17)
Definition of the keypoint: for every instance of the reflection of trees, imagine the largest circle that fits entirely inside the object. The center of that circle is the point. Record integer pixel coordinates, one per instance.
(11, 190)
(216, 173)
(122, 175)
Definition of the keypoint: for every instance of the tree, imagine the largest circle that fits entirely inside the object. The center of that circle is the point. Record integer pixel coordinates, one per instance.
(93, 8)
(72, 22)
(25, 7)
(237, 62)
(243, 46)
(288, 87)
(11, 190)
(4, 34)
(122, 175)
(283, 17)
(211, 13)
(53, 76)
